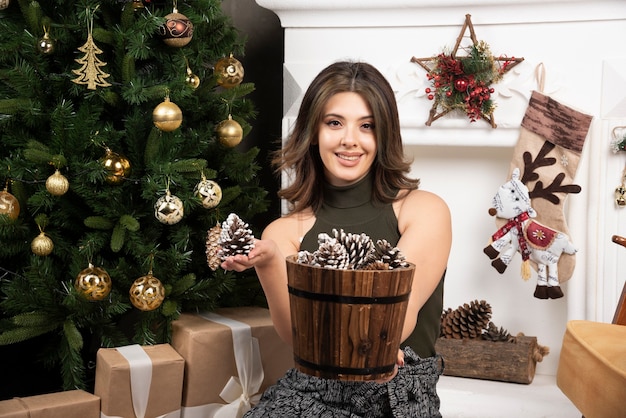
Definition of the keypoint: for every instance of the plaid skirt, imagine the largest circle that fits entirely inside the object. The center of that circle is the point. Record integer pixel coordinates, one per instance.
(412, 393)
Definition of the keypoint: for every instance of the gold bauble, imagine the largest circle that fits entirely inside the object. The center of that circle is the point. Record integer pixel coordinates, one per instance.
(9, 205)
(147, 293)
(177, 30)
(117, 165)
(229, 72)
(192, 80)
(138, 5)
(42, 245)
(45, 44)
(169, 209)
(167, 116)
(57, 184)
(209, 192)
(229, 132)
(94, 283)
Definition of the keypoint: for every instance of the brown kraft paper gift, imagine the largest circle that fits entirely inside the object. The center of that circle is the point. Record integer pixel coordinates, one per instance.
(139, 381)
(68, 404)
(205, 341)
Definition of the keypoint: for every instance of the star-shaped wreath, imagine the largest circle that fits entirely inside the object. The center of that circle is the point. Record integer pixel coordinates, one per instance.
(463, 82)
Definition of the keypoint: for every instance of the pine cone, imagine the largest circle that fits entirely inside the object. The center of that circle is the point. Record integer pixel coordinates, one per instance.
(235, 237)
(467, 321)
(212, 247)
(305, 257)
(390, 255)
(495, 334)
(332, 255)
(376, 265)
(359, 247)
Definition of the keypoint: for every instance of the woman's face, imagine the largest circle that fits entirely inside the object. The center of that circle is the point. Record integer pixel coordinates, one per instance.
(346, 139)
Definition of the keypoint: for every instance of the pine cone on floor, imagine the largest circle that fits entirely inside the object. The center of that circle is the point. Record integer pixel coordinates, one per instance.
(213, 246)
(495, 334)
(235, 237)
(467, 321)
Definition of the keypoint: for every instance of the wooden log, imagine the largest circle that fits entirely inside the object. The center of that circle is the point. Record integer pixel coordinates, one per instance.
(481, 359)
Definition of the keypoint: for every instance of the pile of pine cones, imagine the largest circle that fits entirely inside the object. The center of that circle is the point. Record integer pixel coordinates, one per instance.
(472, 320)
(348, 251)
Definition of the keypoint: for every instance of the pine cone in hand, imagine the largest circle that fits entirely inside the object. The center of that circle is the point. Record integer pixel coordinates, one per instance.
(467, 321)
(495, 334)
(235, 237)
(213, 246)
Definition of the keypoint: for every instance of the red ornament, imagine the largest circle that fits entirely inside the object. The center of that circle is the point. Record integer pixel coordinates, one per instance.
(460, 84)
(430, 97)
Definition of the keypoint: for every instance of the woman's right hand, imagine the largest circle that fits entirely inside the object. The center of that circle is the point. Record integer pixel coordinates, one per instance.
(262, 252)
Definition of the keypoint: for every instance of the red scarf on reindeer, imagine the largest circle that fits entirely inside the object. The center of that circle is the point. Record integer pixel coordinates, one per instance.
(517, 223)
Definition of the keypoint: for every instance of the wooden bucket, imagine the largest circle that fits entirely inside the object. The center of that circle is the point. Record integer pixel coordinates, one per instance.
(347, 324)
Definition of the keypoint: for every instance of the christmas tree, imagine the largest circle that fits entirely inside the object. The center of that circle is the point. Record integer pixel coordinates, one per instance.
(119, 121)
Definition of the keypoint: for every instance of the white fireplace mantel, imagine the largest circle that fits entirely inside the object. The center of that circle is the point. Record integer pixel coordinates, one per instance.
(578, 45)
(380, 13)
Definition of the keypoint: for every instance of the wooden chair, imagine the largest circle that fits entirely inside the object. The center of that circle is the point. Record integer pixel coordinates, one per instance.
(620, 312)
(592, 365)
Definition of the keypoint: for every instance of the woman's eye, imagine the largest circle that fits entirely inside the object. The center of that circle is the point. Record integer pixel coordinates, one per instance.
(368, 126)
(333, 123)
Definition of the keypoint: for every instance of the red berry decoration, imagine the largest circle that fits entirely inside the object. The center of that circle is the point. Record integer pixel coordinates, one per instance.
(460, 84)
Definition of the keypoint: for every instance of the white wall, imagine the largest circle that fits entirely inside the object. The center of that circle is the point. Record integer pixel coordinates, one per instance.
(580, 45)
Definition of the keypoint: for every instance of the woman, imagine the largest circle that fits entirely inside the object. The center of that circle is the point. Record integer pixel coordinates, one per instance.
(348, 171)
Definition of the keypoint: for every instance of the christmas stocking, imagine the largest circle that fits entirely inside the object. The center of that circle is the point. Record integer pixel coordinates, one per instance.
(547, 154)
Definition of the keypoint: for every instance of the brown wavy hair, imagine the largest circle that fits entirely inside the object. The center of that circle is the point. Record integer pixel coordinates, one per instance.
(299, 157)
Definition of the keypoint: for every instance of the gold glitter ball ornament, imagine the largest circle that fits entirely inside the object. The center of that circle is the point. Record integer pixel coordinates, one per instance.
(229, 72)
(229, 132)
(167, 116)
(209, 192)
(9, 205)
(117, 165)
(169, 209)
(94, 283)
(42, 245)
(57, 184)
(147, 293)
(177, 30)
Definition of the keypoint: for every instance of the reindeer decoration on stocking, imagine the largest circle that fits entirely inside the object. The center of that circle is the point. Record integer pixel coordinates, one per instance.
(544, 164)
(534, 241)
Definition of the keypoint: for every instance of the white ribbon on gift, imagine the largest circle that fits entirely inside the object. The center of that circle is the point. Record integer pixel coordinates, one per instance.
(241, 392)
(140, 366)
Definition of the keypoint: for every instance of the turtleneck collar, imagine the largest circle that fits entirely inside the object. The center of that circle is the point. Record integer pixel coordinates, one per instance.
(351, 196)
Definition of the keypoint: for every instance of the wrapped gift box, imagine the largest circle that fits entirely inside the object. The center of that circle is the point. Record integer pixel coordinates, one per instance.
(231, 357)
(69, 404)
(139, 381)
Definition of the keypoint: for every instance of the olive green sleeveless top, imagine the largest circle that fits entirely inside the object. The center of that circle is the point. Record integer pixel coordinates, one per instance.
(351, 208)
